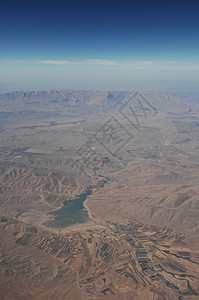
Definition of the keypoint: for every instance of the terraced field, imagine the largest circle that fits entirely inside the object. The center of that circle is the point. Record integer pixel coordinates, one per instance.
(118, 261)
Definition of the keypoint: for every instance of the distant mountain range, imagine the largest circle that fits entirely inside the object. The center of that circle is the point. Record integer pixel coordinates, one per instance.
(53, 100)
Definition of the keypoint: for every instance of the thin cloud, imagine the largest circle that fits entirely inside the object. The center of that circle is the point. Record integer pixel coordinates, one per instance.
(150, 62)
(55, 62)
(102, 62)
(84, 62)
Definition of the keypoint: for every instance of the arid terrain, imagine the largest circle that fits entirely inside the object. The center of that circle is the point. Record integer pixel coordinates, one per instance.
(99, 196)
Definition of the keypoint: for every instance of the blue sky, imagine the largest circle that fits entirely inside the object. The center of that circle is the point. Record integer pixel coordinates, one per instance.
(99, 44)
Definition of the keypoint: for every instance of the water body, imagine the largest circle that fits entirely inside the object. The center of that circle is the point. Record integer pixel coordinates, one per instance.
(71, 213)
(49, 125)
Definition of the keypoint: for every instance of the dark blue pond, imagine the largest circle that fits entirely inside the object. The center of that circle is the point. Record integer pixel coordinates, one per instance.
(71, 213)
